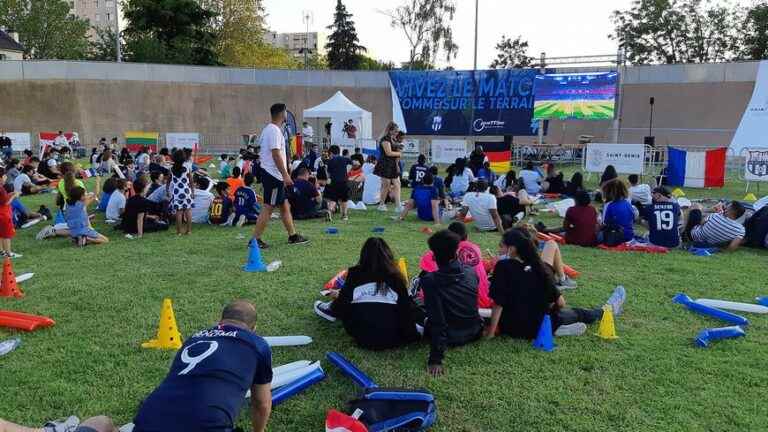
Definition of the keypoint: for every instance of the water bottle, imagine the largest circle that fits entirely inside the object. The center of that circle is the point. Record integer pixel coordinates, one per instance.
(273, 266)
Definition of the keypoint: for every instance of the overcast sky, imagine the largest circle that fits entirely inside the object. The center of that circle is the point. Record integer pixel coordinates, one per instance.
(557, 27)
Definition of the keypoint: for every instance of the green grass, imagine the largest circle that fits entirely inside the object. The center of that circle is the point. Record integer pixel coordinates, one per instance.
(106, 301)
(580, 110)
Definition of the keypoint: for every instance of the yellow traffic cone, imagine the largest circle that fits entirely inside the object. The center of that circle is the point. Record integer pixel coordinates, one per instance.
(677, 193)
(168, 336)
(607, 330)
(750, 197)
(403, 266)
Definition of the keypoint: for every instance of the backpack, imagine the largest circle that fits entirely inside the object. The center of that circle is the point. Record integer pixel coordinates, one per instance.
(387, 409)
(613, 235)
(757, 229)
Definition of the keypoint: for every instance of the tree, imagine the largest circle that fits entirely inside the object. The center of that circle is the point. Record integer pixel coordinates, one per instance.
(512, 54)
(367, 63)
(676, 31)
(427, 26)
(104, 46)
(343, 46)
(46, 28)
(170, 31)
(240, 28)
(755, 41)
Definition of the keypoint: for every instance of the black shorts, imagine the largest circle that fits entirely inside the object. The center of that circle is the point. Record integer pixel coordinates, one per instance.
(274, 190)
(85, 429)
(337, 192)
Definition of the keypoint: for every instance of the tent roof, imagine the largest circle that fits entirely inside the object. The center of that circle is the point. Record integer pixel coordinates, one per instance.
(337, 106)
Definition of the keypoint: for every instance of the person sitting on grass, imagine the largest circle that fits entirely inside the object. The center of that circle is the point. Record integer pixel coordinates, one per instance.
(718, 229)
(580, 224)
(374, 304)
(247, 206)
(663, 217)
(140, 213)
(12, 170)
(235, 182)
(37, 178)
(206, 386)
(116, 204)
(203, 200)
(550, 253)
(468, 254)
(618, 212)
(639, 193)
(483, 207)
(531, 178)
(221, 207)
(487, 174)
(78, 223)
(23, 183)
(425, 199)
(450, 300)
(305, 199)
(71, 424)
(22, 216)
(461, 179)
(524, 291)
(157, 179)
(418, 171)
(553, 183)
(510, 207)
(506, 181)
(439, 183)
(575, 185)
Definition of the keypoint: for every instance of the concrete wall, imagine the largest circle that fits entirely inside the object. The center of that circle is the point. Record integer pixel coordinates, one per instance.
(695, 104)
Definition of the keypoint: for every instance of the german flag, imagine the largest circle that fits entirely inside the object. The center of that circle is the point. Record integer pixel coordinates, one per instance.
(499, 154)
(135, 140)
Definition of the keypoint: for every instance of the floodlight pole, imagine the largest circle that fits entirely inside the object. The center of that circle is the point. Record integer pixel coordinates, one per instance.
(477, 15)
(543, 70)
(117, 32)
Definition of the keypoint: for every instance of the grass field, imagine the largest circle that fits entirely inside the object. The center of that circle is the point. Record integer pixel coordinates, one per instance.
(106, 301)
(579, 110)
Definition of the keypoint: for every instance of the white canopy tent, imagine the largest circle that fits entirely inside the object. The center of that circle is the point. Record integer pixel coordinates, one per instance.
(339, 109)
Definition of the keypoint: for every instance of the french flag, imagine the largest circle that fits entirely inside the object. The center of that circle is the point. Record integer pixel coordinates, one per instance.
(696, 169)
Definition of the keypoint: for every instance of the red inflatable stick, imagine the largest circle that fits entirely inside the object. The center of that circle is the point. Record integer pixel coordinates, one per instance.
(22, 321)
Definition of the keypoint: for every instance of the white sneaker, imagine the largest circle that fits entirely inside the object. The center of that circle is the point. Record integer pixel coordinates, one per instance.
(126, 427)
(67, 425)
(361, 206)
(241, 221)
(616, 300)
(13, 255)
(230, 220)
(382, 207)
(575, 329)
(323, 310)
(566, 283)
(46, 232)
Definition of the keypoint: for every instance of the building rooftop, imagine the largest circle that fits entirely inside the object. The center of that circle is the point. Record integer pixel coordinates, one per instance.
(8, 44)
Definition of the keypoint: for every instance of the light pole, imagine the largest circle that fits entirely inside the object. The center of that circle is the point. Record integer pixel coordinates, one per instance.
(117, 31)
(477, 11)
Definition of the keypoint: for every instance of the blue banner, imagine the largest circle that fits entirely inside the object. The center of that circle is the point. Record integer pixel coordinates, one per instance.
(474, 103)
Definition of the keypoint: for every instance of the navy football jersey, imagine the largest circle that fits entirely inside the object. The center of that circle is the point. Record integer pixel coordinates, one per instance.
(205, 388)
(663, 223)
(245, 201)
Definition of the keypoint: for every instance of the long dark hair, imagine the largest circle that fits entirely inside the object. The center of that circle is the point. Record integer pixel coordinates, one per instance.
(510, 178)
(459, 167)
(178, 163)
(377, 259)
(577, 181)
(527, 253)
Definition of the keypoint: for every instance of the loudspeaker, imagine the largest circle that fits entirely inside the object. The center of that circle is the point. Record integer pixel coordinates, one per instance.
(650, 141)
(652, 100)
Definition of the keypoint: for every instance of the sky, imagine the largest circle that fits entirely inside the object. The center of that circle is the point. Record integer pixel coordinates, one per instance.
(557, 27)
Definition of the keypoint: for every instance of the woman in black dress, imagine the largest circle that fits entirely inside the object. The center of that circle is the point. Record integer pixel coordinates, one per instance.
(388, 167)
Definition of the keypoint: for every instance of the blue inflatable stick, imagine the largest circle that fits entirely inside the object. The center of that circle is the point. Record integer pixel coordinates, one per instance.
(378, 230)
(544, 340)
(331, 230)
(712, 334)
(287, 391)
(350, 370)
(762, 300)
(703, 251)
(720, 314)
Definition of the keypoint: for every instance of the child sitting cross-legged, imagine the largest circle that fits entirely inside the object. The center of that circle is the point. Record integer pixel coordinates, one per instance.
(78, 224)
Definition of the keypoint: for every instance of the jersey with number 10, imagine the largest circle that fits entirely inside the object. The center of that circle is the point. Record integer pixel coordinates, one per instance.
(221, 207)
(205, 388)
(663, 223)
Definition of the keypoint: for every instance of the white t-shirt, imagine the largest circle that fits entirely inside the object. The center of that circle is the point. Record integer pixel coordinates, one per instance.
(641, 193)
(479, 204)
(115, 206)
(461, 181)
(20, 181)
(531, 180)
(60, 142)
(272, 139)
(202, 204)
(372, 185)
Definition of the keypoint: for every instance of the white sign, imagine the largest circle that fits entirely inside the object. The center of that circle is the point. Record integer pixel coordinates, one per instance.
(346, 144)
(626, 158)
(21, 140)
(756, 165)
(182, 140)
(447, 151)
(751, 131)
(411, 147)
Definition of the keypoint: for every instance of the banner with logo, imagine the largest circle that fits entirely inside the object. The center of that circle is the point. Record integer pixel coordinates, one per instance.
(411, 148)
(626, 158)
(182, 140)
(20, 141)
(751, 131)
(756, 166)
(464, 103)
(447, 151)
(47, 139)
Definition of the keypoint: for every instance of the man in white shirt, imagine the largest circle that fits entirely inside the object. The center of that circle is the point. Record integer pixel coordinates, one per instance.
(639, 193)
(60, 141)
(307, 133)
(116, 204)
(482, 207)
(531, 179)
(203, 200)
(275, 178)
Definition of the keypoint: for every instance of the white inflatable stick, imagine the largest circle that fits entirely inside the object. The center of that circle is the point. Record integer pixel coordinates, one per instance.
(290, 367)
(285, 341)
(289, 377)
(24, 277)
(734, 306)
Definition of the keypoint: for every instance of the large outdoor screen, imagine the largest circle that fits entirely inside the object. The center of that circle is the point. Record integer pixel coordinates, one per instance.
(575, 96)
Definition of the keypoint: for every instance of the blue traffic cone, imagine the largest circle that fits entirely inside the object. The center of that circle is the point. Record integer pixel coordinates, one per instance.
(544, 340)
(254, 259)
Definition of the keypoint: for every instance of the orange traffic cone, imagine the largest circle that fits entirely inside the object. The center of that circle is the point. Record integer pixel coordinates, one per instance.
(168, 336)
(8, 286)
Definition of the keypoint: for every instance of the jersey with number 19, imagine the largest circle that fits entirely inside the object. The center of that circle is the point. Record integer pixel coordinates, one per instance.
(663, 223)
(205, 388)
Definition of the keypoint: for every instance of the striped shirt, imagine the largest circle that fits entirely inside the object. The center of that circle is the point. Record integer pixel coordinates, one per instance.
(718, 229)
